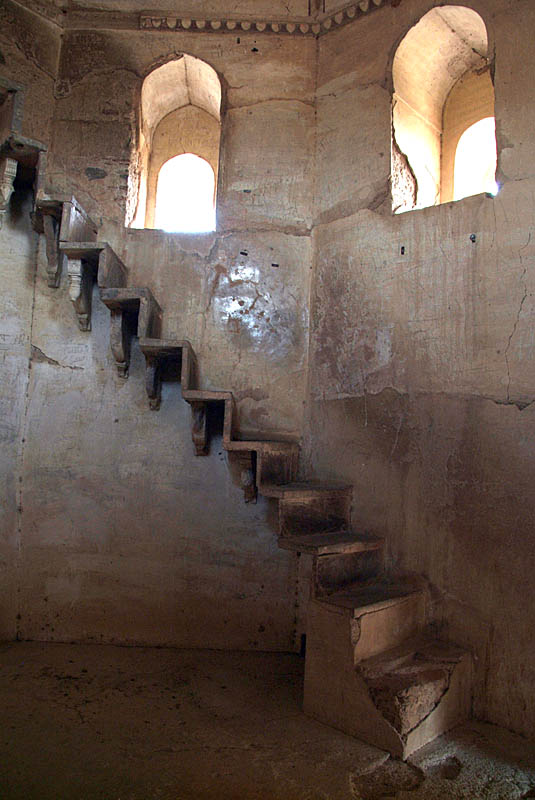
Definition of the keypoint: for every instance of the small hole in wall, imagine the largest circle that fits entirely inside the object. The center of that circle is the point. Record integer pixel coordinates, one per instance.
(238, 40)
(254, 49)
(402, 251)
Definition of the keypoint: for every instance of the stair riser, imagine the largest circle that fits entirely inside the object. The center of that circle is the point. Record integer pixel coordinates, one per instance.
(276, 468)
(334, 693)
(334, 572)
(314, 515)
(385, 628)
(455, 707)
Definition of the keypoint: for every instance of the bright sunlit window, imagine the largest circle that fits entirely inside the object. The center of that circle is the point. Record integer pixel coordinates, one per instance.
(475, 160)
(185, 195)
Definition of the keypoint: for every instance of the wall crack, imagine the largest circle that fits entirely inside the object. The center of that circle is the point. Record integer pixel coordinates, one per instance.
(39, 357)
(517, 318)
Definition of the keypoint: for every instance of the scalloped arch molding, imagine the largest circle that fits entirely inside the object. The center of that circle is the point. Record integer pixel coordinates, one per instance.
(323, 24)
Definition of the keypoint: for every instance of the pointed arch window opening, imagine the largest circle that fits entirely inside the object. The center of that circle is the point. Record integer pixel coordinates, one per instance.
(179, 117)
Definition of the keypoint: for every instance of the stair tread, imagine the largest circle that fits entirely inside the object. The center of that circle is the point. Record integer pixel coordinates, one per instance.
(305, 488)
(127, 297)
(127, 292)
(261, 445)
(207, 395)
(163, 346)
(408, 682)
(81, 248)
(373, 595)
(330, 542)
(411, 656)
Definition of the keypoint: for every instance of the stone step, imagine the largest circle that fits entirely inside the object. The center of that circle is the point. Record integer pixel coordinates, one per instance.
(303, 490)
(421, 688)
(111, 272)
(369, 673)
(375, 595)
(261, 446)
(61, 219)
(164, 348)
(206, 396)
(331, 543)
(138, 300)
(86, 262)
(336, 559)
(376, 614)
(133, 311)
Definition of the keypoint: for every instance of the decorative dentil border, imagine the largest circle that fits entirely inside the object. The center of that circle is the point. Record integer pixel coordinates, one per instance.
(326, 22)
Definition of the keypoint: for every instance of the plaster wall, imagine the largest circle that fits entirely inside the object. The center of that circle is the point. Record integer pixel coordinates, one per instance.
(126, 536)
(422, 369)
(29, 49)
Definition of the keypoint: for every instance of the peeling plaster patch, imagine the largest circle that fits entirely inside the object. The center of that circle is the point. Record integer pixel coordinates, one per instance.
(520, 404)
(39, 357)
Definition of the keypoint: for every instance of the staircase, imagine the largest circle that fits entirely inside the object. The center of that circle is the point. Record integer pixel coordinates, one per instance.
(372, 669)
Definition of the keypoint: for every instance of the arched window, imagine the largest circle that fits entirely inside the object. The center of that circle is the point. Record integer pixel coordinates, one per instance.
(475, 160)
(179, 114)
(442, 86)
(185, 195)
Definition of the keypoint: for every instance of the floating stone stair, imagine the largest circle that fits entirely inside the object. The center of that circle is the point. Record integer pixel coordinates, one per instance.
(370, 670)
(61, 219)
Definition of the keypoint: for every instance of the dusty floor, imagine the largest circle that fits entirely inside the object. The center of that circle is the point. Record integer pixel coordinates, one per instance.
(85, 722)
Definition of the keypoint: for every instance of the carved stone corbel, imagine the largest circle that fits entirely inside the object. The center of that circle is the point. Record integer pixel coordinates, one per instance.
(120, 339)
(80, 289)
(242, 470)
(153, 381)
(54, 257)
(8, 173)
(199, 432)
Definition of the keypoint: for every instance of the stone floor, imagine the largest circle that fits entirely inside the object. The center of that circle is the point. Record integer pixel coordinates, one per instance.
(86, 722)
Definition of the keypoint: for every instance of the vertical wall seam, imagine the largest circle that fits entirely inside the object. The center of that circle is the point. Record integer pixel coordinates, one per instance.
(22, 449)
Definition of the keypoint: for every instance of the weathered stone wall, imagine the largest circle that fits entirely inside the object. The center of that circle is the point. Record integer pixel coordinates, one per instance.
(126, 536)
(29, 48)
(29, 51)
(422, 376)
(422, 367)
